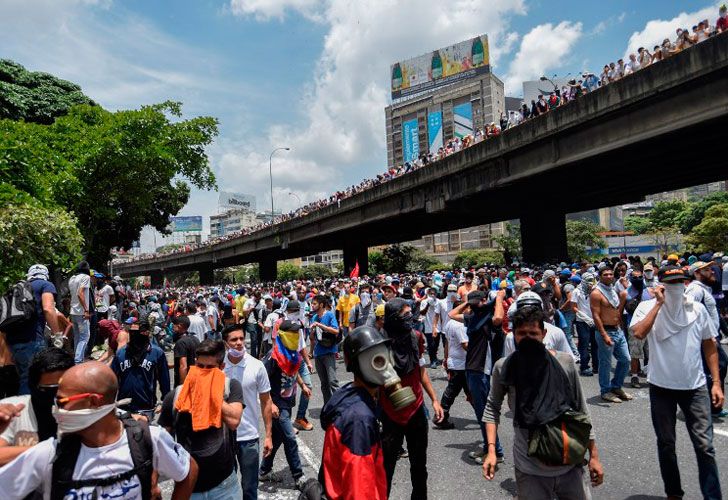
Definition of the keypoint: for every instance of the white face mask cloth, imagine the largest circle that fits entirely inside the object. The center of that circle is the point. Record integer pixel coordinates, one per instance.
(236, 354)
(77, 420)
(676, 314)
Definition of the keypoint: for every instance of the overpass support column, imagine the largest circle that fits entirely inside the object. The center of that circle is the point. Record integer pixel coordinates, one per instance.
(207, 274)
(543, 236)
(268, 269)
(354, 252)
(157, 279)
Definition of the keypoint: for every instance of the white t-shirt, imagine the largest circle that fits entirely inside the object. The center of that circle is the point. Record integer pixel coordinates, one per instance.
(251, 374)
(675, 362)
(198, 327)
(725, 277)
(703, 294)
(212, 313)
(555, 340)
(77, 282)
(249, 307)
(443, 308)
(582, 302)
(429, 316)
(32, 470)
(103, 300)
(22, 430)
(456, 333)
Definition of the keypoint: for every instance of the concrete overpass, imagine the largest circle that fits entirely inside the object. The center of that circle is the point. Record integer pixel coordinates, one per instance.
(664, 127)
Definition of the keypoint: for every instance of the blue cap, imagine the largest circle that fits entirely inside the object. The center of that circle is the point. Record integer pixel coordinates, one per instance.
(576, 278)
(131, 320)
(566, 272)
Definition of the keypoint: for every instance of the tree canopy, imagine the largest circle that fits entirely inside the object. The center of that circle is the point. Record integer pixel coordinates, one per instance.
(712, 232)
(581, 236)
(35, 96)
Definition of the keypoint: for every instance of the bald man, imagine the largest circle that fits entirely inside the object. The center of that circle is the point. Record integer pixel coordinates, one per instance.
(99, 455)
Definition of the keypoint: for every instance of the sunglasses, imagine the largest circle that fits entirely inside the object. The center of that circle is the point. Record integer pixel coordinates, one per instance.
(61, 402)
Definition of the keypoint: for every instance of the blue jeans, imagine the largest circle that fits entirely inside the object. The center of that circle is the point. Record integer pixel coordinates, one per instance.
(22, 355)
(620, 351)
(229, 489)
(695, 405)
(479, 386)
(283, 435)
(251, 331)
(587, 346)
(303, 400)
(248, 455)
(81, 335)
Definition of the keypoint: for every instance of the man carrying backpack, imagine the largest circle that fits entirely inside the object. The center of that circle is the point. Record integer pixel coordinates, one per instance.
(545, 387)
(99, 455)
(204, 414)
(33, 304)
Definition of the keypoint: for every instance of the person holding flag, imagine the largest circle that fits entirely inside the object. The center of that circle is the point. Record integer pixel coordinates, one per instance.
(282, 364)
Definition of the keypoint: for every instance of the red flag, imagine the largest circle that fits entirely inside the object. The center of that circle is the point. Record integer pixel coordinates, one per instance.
(355, 271)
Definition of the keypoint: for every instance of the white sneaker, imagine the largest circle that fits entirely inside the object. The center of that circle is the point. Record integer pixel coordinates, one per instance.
(301, 482)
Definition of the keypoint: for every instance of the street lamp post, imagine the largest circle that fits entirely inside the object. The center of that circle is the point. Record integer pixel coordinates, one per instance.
(291, 193)
(270, 171)
(545, 79)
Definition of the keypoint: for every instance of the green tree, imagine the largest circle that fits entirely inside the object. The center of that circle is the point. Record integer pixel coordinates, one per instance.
(315, 271)
(32, 234)
(696, 211)
(399, 256)
(420, 261)
(476, 258)
(34, 96)
(378, 263)
(668, 214)
(712, 232)
(581, 235)
(637, 224)
(288, 271)
(510, 242)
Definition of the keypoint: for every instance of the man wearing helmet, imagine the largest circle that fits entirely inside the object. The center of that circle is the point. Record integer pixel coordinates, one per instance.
(353, 462)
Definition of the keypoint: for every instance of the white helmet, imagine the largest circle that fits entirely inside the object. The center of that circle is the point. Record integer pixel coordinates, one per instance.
(529, 299)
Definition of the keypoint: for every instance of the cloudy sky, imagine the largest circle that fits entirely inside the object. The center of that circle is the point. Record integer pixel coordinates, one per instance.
(312, 75)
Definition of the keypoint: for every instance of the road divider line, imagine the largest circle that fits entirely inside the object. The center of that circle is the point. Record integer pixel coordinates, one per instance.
(720, 431)
(309, 455)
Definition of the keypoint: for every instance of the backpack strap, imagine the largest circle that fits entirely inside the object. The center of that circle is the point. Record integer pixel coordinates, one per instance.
(139, 440)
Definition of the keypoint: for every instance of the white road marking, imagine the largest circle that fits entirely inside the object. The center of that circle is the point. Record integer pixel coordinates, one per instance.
(308, 455)
(720, 431)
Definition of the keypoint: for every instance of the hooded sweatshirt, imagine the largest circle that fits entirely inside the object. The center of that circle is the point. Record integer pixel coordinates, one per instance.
(353, 461)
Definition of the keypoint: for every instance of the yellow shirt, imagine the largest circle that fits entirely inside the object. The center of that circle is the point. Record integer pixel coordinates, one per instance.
(239, 303)
(345, 305)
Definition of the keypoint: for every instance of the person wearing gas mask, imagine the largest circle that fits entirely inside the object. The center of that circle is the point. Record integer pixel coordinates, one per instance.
(141, 367)
(352, 465)
(678, 330)
(400, 420)
(485, 347)
(33, 421)
(541, 385)
(584, 322)
(98, 455)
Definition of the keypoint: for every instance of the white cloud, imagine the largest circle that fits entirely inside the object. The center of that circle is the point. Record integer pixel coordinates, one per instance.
(545, 47)
(657, 30)
(343, 139)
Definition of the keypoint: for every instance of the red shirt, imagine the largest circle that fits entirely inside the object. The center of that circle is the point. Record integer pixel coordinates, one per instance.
(414, 380)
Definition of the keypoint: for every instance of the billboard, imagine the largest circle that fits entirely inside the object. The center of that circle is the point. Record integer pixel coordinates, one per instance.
(410, 140)
(434, 131)
(186, 224)
(442, 67)
(463, 118)
(228, 199)
(533, 88)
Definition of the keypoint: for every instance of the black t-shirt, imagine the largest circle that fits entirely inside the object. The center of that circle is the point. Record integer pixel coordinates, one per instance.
(184, 348)
(280, 385)
(479, 335)
(213, 449)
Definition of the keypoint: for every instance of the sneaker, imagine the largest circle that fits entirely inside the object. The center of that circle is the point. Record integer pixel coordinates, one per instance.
(444, 425)
(587, 373)
(635, 382)
(612, 398)
(301, 482)
(642, 374)
(724, 341)
(302, 424)
(266, 476)
(477, 455)
(721, 414)
(622, 395)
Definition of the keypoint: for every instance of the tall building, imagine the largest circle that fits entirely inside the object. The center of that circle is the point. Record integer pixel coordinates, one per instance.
(231, 221)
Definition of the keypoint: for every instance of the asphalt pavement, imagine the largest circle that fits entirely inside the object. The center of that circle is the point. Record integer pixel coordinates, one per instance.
(625, 440)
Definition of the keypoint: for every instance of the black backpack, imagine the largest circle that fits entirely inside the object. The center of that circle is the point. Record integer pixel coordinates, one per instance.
(17, 308)
(140, 447)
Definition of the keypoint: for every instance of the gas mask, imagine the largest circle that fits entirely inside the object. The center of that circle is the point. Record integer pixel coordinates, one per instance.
(376, 367)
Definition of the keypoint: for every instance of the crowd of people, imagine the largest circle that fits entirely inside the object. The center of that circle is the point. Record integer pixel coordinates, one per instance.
(589, 82)
(74, 424)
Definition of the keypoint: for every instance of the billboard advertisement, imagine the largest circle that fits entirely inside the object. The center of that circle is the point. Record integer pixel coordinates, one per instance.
(533, 88)
(236, 200)
(441, 67)
(463, 117)
(186, 224)
(434, 131)
(410, 140)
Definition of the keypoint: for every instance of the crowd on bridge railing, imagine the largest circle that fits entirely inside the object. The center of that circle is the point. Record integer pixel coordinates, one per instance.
(685, 38)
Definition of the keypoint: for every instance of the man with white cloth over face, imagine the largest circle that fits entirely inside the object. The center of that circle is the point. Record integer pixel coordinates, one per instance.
(677, 329)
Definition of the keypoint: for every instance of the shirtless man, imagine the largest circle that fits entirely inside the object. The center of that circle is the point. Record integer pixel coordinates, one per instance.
(607, 305)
